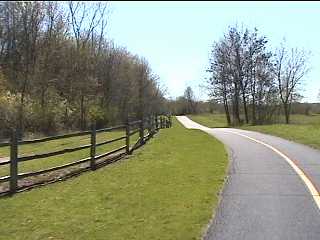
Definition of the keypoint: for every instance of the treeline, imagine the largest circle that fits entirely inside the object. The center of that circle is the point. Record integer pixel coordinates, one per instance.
(186, 104)
(251, 80)
(189, 104)
(59, 72)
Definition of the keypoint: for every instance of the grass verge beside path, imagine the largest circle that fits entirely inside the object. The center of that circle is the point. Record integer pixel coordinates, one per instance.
(166, 190)
(210, 120)
(304, 129)
(305, 134)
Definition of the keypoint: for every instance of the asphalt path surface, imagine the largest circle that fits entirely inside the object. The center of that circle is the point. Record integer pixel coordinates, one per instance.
(271, 188)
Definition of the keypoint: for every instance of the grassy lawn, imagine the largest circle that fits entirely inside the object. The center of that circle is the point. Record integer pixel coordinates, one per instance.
(299, 119)
(54, 145)
(165, 190)
(303, 129)
(308, 134)
(210, 120)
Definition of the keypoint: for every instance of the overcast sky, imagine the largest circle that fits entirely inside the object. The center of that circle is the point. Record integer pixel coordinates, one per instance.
(176, 37)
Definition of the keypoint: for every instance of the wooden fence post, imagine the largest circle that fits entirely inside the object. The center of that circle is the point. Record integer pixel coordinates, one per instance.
(152, 125)
(128, 137)
(93, 147)
(141, 132)
(157, 123)
(149, 126)
(13, 162)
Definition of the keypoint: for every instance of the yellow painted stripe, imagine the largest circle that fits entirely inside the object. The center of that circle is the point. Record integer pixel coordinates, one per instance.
(313, 190)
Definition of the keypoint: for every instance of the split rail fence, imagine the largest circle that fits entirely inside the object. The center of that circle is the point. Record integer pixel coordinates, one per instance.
(151, 125)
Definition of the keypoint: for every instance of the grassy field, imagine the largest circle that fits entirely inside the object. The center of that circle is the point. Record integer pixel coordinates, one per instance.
(210, 120)
(303, 129)
(166, 190)
(308, 134)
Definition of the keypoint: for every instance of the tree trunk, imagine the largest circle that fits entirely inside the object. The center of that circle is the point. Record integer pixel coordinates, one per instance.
(82, 112)
(141, 100)
(254, 118)
(21, 117)
(225, 102)
(66, 115)
(244, 99)
(286, 112)
(253, 94)
(236, 112)
(245, 107)
(44, 125)
(226, 108)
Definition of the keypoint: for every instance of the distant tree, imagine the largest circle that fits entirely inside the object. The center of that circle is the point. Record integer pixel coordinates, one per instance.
(190, 100)
(290, 69)
(250, 80)
(240, 70)
(219, 83)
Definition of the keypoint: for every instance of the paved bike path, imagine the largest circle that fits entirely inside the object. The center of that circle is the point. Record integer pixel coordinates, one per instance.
(265, 197)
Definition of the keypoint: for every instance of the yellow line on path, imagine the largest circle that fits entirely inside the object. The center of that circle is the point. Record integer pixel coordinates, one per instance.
(313, 190)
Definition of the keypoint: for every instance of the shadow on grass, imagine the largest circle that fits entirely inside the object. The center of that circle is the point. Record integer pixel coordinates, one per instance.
(40, 180)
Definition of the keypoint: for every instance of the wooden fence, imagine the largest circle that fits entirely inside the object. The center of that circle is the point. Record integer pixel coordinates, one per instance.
(151, 124)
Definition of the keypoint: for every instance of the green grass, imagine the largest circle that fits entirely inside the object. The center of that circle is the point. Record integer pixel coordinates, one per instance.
(300, 119)
(306, 134)
(303, 129)
(54, 145)
(166, 190)
(210, 120)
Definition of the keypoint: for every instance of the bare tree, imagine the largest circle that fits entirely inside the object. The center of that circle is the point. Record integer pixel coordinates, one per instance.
(59, 71)
(84, 21)
(219, 82)
(242, 76)
(291, 67)
(22, 25)
(190, 100)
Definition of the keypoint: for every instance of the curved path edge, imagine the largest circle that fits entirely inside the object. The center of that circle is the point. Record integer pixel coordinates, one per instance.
(290, 179)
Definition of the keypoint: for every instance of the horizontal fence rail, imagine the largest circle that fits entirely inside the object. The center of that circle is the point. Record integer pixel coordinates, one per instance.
(4, 144)
(45, 139)
(77, 134)
(4, 179)
(4, 163)
(151, 124)
(135, 122)
(111, 152)
(51, 154)
(110, 141)
(111, 128)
